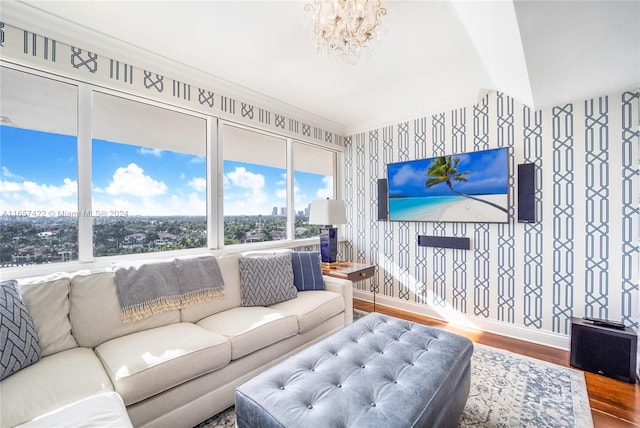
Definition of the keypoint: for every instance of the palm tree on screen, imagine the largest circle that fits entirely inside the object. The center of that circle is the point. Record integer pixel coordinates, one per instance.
(444, 169)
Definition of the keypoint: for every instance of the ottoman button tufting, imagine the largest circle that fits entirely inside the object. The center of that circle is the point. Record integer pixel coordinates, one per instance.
(309, 407)
(373, 404)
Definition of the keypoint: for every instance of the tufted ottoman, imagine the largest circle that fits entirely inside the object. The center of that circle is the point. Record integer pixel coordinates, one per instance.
(379, 371)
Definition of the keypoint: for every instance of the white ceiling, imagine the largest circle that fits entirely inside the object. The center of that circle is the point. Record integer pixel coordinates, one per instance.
(436, 55)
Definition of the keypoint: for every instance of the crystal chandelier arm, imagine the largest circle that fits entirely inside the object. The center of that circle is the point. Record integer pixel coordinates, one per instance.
(345, 28)
(380, 12)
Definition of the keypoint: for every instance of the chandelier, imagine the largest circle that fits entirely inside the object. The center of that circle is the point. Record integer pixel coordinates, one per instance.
(343, 29)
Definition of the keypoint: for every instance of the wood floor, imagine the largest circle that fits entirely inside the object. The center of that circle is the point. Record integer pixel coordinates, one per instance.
(613, 403)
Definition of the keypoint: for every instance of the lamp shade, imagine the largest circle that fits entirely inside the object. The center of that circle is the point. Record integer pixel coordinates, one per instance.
(327, 212)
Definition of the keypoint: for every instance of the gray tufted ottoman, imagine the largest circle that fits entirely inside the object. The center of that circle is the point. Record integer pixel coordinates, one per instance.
(377, 372)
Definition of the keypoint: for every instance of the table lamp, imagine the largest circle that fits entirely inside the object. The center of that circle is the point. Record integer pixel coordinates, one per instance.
(328, 212)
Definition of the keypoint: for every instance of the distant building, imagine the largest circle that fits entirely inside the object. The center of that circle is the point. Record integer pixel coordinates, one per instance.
(21, 259)
(65, 256)
(274, 211)
(278, 235)
(253, 237)
(135, 240)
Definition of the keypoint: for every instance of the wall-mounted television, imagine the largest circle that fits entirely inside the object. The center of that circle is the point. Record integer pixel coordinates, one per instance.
(467, 187)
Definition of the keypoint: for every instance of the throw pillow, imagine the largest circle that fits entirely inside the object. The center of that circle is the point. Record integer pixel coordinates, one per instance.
(19, 347)
(266, 280)
(307, 273)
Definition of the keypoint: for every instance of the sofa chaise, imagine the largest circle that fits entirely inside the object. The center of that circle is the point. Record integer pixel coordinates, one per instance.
(175, 368)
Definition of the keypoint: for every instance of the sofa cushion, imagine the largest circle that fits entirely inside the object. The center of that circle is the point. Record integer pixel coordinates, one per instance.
(148, 362)
(104, 410)
(230, 269)
(19, 346)
(54, 381)
(266, 280)
(47, 300)
(307, 272)
(95, 310)
(312, 307)
(251, 328)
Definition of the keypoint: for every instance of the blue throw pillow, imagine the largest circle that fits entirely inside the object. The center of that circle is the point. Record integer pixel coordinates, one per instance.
(19, 345)
(307, 273)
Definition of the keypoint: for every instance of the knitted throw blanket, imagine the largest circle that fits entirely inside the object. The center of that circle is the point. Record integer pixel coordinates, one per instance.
(151, 288)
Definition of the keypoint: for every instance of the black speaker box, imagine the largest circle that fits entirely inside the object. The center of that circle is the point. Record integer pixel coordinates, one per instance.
(444, 242)
(607, 351)
(382, 199)
(527, 193)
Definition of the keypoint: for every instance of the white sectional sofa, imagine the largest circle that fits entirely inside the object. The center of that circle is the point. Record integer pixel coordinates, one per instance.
(173, 369)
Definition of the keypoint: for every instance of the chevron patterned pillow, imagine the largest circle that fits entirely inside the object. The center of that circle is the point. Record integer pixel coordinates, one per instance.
(19, 345)
(266, 280)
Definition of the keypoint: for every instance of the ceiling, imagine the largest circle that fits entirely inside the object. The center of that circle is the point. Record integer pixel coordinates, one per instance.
(436, 55)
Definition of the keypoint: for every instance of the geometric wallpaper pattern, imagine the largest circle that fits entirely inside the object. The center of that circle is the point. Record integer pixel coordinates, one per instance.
(579, 258)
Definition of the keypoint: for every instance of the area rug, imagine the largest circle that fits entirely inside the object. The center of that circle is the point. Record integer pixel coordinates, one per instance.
(511, 390)
(508, 390)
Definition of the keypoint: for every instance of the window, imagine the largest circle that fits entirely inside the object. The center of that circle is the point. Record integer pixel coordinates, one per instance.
(256, 189)
(314, 169)
(255, 186)
(148, 178)
(87, 172)
(39, 163)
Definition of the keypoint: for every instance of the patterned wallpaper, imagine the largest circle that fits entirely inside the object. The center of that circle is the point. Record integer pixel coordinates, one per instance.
(580, 257)
(30, 49)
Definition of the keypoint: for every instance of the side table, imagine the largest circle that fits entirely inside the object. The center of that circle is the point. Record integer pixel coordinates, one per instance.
(354, 272)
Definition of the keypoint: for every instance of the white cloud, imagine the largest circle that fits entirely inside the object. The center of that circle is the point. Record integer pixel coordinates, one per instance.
(198, 184)
(191, 204)
(44, 198)
(9, 186)
(406, 174)
(43, 192)
(327, 190)
(244, 193)
(147, 151)
(130, 180)
(240, 177)
(8, 174)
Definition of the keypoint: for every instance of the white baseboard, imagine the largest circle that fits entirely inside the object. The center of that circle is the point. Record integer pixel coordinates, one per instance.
(515, 331)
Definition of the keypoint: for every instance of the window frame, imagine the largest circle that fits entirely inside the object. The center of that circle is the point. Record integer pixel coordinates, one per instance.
(214, 172)
(290, 169)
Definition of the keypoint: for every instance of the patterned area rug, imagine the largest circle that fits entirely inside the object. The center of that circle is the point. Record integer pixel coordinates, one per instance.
(511, 390)
(508, 390)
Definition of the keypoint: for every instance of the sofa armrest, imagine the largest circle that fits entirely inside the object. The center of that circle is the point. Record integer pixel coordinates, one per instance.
(344, 287)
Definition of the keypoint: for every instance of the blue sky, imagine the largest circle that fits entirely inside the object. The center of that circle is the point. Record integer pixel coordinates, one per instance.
(488, 168)
(39, 172)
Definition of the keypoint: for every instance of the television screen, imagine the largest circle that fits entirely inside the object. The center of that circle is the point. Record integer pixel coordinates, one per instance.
(468, 187)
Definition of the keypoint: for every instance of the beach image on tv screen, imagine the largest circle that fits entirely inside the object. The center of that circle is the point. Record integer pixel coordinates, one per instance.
(467, 187)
